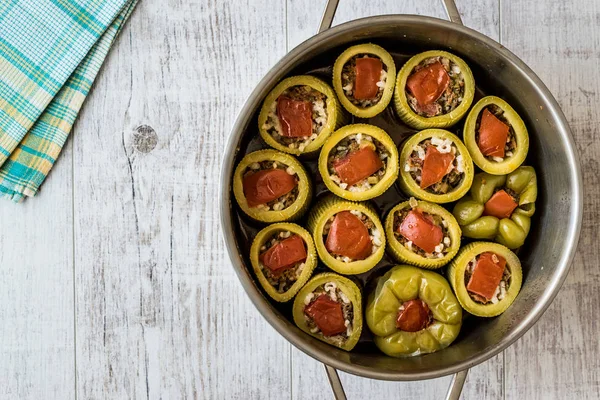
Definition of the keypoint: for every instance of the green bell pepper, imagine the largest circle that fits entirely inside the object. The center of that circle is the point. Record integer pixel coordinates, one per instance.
(512, 231)
(399, 285)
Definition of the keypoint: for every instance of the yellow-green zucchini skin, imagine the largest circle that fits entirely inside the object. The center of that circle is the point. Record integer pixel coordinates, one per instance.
(411, 118)
(522, 137)
(404, 255)
(388, 91)
(380, 135)
(296, 210)
(335, 114)
(309, 264)
(456, 276)
(411, 187)
(350, 290)
(403, 283)
(317, 218)
(510, 232)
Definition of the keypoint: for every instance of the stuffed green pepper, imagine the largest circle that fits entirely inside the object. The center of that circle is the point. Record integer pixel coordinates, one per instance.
(412, 312)
(329, 308)
(363, 79)
(496, 136)
(435, 166)
(499, 207)
(283, 257)
(359, 162)
(348, 236)
(422, 234)
(434, 89)
(299, 115)
(271, 186)
(486, 278)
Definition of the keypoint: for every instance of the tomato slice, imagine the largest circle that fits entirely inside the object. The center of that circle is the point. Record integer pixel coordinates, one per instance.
(348, 237)
(295, 117)
(428, 83)
(284, 255)
(487, 275)
(414, 317)
(327, 314)
(358, 165)
(267, 185)
(500, 205)
(492, 135)
(368, 73)
(422, 232)
(435, 166)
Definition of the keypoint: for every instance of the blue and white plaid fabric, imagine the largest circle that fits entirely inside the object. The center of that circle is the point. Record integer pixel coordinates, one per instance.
(50, 54)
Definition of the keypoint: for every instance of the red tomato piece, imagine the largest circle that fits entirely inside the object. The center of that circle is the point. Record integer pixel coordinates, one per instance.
(422, 232)
(500, 205)
(295, 117)
(492, 135)
(267, 185)
(348, 237)
(284, 255)
(358, 165)
(327, 314)
(428, 83)
(414, 317)
(435, 166)
(487, 275)
(368, 73)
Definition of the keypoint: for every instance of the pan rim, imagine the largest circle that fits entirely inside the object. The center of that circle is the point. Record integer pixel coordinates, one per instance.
(571, 233)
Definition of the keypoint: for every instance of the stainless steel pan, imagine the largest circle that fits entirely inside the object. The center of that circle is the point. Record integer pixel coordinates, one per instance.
(551, 244)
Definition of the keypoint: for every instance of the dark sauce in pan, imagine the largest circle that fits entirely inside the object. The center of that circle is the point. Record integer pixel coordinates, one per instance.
(247, 228)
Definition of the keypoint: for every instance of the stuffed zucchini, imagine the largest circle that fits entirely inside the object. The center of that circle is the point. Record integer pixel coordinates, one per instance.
(359, 162)
(434, 89)
(271, 186)
(348, 236)
(435, 166)
(422, 234)
(496, 136)
(299, 115)
(283, 257)
(499, 207)
(329, 307)
(363, 79)
(412, 312)
(486, 278)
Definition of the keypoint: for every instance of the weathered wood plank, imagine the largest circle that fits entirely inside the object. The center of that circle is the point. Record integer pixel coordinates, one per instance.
(37, 346)
(309, 380)
(558, 358)
(159, 311)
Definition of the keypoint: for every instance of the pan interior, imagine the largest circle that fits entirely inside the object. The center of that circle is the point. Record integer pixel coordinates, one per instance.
(550, 245)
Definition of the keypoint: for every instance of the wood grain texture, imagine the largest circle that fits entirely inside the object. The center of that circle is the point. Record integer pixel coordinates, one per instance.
(558, 358)
(37, 348)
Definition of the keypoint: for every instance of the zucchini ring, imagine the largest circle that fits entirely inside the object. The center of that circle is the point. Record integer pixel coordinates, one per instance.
(384, 147)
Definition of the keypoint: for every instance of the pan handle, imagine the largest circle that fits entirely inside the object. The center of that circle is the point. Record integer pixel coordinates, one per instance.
(458, 380)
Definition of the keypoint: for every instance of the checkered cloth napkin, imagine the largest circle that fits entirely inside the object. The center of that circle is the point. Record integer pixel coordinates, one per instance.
(50, 54)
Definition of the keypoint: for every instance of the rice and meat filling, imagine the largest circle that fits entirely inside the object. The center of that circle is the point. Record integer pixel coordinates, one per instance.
(349, 146)
(335, 299)
(349, 74)
(284, 201)
(449, 91)
(500, 290)
(282, 279)
(373, 240)
(452, 176)
(440, 250)
(318, 115)
(511, 139)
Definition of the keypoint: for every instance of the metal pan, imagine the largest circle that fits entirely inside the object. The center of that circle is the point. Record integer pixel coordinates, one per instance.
(552, 242)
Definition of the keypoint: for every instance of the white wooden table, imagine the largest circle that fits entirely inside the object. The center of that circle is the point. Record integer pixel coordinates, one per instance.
(114, 281)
